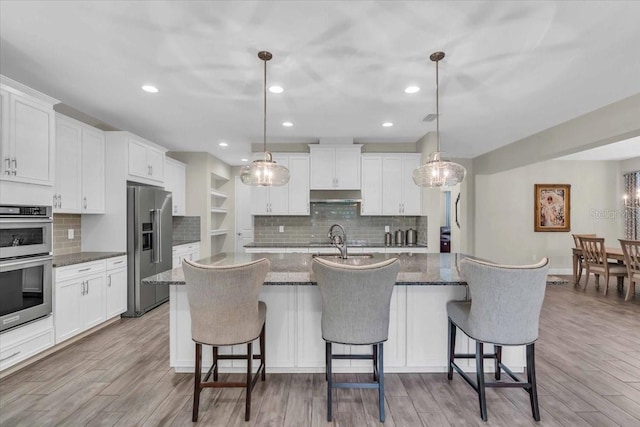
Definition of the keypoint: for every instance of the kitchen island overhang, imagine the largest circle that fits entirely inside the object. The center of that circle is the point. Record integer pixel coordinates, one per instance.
(418, 320)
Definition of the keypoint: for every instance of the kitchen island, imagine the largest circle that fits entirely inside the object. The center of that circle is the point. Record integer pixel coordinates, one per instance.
(418, 322)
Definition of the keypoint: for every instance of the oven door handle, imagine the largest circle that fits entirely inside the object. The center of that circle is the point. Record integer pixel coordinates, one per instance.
(25, 261)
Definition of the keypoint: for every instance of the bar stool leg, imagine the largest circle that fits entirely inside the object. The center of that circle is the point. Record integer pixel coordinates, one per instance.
(329, 380)
(531, 378)
(215, 363)
(247, 410)
(452, 347)
(263, 334)
(498, 359)
(480, 374)
(381, 380)
(196, 383)
(375, 362)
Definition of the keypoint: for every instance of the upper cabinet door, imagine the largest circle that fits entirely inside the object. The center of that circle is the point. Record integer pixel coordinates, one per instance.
(411, 193)
(347, 168)
(371, 185)
(138, 159)
(93, 170)
(68, 182)
(31, 141)
(155, 159)
(322, 168)
(392, 185)
(5, 166)
(279, 195)
(299, 184)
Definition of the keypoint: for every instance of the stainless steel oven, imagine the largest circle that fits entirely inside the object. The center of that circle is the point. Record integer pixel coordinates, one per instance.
(25, 264)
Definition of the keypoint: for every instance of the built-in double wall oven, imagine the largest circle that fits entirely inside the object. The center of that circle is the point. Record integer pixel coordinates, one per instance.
(25, 264)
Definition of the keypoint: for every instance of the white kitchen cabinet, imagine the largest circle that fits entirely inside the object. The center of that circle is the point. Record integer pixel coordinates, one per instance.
(190, 251)
(175, 181)
(80, 168)
(21, 343)
(28, 135)
(290, 199)
(78, 298)
(400, 195)
(335, 167)
(145, 161)
(371, 185)
(93, 170)
(116, 287)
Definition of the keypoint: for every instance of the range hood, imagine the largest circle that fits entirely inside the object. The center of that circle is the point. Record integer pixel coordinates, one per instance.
(336, 196)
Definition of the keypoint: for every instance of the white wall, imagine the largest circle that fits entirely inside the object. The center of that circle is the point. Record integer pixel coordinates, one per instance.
(504, 211)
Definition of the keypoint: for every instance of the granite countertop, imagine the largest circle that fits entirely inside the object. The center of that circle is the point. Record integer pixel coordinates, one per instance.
(184, 242)
(80, 257)
(356, 244)
(295, 269)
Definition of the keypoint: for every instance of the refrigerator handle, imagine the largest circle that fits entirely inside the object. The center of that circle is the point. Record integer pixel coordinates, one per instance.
(156, 254)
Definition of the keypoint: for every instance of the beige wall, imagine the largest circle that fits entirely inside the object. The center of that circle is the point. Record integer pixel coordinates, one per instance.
(504, 211)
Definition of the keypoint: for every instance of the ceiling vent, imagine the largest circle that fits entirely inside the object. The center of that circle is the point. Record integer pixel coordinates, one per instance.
(429, 117)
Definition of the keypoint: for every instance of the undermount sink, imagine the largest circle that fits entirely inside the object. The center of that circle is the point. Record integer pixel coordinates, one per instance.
(337, 256)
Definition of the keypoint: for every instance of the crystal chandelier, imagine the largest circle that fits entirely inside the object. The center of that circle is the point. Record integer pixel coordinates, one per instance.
(264, 172)
(438, 171)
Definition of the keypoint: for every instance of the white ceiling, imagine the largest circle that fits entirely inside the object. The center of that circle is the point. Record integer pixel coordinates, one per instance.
(627, 149)
(511, 68)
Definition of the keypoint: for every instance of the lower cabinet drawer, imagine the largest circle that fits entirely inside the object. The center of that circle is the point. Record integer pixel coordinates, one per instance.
(21, 344)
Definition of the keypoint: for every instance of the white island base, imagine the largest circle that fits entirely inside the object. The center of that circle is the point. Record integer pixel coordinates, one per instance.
(417, 334)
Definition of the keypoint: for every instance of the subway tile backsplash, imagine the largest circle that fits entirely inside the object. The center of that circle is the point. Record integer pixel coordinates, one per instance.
(186, 228)
(62, 245)
(314, 228)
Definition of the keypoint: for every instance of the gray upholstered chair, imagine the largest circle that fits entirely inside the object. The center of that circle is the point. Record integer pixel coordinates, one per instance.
(595, 258)
(631, 251)
(225, 311)
(504, 310)
(355, 311)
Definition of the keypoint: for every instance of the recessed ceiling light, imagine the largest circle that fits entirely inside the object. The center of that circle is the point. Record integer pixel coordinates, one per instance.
(276, 89)
(387, 124)
(150, 89)
(287, 124)
(412, 89)
(223, 144)
(244, 160)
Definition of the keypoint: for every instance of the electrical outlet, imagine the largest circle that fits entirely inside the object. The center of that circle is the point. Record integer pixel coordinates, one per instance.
(281, 229)
(386, 228)
(70, 234)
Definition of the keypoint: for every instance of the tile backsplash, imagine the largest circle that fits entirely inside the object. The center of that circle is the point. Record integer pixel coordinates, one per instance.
(314, 228)
(62, 245)
(186, 228)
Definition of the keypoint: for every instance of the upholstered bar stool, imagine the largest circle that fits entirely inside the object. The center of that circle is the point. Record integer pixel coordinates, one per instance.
(355, 311)
(631, 251)
(225, 311)
(504, 310)
(595, 258)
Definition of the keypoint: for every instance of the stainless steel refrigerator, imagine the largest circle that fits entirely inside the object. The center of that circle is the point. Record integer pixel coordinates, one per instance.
(149, 240)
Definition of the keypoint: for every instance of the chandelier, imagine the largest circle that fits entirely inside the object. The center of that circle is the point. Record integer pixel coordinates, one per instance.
(264, 172)
(438, 171)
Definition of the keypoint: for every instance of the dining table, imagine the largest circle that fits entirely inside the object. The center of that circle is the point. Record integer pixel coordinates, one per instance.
(613, 253)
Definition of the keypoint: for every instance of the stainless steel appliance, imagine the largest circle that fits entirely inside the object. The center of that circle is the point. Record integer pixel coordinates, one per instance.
(149, 238)
(25, 264)
(399, 238)
(412, 237)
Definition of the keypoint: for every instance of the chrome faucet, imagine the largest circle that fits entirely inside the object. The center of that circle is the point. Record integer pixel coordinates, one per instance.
(338, 241)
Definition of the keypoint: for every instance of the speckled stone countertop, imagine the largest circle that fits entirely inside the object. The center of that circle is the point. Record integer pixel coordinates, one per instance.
(80, 257)
(357, 244)
(184, 242)
(295, 269)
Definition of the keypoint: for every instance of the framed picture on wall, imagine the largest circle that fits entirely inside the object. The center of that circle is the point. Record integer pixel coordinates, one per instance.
(552, 207)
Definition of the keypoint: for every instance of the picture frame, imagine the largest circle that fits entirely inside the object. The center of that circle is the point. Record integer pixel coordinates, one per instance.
(552, 207)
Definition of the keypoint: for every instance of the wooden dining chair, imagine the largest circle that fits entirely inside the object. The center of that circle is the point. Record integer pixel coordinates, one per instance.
(595, 258)
(631, 251)
(581, 264)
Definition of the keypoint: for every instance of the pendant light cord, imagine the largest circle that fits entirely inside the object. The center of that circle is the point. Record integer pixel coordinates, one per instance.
(264, 133)
(437, 108)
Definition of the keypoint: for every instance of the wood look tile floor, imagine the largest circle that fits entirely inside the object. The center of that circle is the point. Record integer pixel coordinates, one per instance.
(588, 362)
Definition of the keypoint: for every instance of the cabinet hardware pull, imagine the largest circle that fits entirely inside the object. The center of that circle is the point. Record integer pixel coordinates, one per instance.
(15, 163)
(84, 269)
(109, 284)
(118, 262)
(10, 356)
(8, 160)
(87, 282)
(85, 202)
(82, 288)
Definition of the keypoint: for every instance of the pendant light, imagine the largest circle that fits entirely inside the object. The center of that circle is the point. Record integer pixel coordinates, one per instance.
(264, 172)
(438, 171)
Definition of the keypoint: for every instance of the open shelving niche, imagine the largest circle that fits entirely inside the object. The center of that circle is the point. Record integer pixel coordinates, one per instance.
(218, 212)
